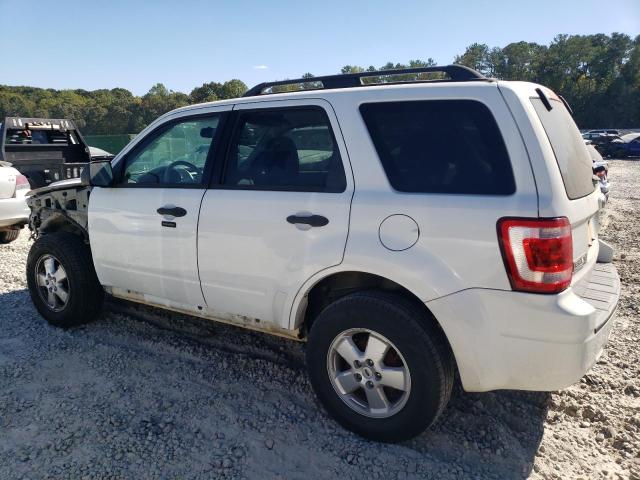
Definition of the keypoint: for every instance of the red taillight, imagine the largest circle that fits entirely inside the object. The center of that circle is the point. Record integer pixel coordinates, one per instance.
(538, 253)
(22, 183)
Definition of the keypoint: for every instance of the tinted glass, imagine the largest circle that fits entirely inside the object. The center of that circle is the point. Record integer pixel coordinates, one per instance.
(289, 149)
(568, 146)
(440, 146)
(176, 156)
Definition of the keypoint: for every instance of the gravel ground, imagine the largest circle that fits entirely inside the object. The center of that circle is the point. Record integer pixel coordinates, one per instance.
(143, 394)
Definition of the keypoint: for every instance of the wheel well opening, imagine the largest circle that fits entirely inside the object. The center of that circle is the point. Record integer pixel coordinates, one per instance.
(61, 223)
(335, 286)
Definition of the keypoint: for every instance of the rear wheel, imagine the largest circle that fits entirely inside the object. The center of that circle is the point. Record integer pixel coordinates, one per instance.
(8, 236)
(62, 281)
(378, 366)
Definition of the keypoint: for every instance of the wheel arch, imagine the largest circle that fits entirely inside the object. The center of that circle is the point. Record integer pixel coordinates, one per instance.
(59, 222)
(333, 285)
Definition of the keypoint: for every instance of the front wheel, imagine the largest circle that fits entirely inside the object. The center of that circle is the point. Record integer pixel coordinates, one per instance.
(379, 365)
(62, 281)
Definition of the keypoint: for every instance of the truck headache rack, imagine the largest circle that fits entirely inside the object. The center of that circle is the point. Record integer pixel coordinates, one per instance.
(456, 73)
(45, 150)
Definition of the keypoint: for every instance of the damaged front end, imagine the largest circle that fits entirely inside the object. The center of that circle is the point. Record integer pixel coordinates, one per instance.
(61, 206)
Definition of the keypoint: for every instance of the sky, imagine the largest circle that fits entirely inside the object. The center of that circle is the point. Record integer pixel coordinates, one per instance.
(135, 44)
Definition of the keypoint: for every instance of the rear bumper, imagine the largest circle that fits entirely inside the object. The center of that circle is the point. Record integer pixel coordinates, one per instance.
(514, 340)
(13, 211)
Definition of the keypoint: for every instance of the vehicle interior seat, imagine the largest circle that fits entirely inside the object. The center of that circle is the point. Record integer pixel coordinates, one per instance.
(277, 164)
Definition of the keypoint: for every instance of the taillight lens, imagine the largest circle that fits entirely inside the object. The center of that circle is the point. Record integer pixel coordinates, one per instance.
(538, 253)
(22, 183)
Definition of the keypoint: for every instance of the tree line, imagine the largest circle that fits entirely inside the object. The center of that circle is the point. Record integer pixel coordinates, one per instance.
(599, 76)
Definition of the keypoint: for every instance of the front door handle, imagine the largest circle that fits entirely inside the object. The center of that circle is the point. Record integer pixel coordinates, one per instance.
(173, 211)
(311, 220)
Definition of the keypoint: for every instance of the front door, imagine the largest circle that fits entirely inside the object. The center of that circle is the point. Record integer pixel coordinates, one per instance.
(279, 211)
(143, 230)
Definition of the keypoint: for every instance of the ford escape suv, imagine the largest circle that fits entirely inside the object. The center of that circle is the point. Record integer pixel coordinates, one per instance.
(407, 230)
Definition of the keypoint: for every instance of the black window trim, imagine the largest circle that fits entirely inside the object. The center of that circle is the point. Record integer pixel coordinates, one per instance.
(210, 161)
(453, 194)
(231, 134)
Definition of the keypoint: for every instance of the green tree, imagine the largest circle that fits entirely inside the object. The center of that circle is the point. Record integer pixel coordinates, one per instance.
(207, 92)
(233, 89)
(14, 104)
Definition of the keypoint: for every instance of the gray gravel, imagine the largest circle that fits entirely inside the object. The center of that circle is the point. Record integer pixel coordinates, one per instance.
(144, 394)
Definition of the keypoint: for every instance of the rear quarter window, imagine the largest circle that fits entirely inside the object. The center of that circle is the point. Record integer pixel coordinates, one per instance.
(568, 147)
(440, 146)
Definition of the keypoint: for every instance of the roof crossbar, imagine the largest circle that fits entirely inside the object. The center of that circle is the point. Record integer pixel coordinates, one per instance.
(456, 73)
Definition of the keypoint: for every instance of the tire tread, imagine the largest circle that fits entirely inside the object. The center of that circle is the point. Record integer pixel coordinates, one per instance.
(423, 331)
(8, 236)
(86, 296)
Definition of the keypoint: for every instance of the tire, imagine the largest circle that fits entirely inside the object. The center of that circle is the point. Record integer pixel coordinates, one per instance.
(8, 236)
(415, 345)
(84, 294)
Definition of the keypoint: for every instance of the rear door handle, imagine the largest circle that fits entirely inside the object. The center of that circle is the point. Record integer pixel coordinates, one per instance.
(173, 211)
(311, 220)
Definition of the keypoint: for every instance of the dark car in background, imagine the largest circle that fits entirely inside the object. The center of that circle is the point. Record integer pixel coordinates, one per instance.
(607, 145)
(628, 146)
(604, 131)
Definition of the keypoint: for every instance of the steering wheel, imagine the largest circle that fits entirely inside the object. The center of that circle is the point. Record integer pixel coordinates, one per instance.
(190, 169)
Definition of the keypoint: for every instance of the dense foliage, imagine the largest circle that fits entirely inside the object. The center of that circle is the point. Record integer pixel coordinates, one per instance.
(108, 111)
(599, 75)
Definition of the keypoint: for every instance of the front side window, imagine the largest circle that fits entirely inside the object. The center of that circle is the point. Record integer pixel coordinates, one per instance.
(440, 146)
(175, 156)
(285, 149)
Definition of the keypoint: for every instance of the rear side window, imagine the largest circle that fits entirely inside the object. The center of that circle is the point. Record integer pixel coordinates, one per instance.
(285, 149)
(568, 146)
(440, 146)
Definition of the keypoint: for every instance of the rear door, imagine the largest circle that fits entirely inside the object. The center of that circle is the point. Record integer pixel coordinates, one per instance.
(278, 211)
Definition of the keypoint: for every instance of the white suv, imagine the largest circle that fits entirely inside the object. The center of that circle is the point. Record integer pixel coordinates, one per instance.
(405, 231)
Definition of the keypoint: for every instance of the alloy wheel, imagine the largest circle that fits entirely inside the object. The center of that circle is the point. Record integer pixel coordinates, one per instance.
(368, 373)
(52, 281)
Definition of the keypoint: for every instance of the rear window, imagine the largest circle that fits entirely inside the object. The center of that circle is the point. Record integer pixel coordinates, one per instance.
(568, 146)
(440, 146)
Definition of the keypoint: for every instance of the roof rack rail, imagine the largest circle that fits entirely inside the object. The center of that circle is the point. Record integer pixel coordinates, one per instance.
(457, 73)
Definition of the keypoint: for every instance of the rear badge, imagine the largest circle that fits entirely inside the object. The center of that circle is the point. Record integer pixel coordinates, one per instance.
(578, 264)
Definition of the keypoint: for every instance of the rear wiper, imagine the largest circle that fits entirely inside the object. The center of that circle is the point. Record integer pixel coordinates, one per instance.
(544, 99)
